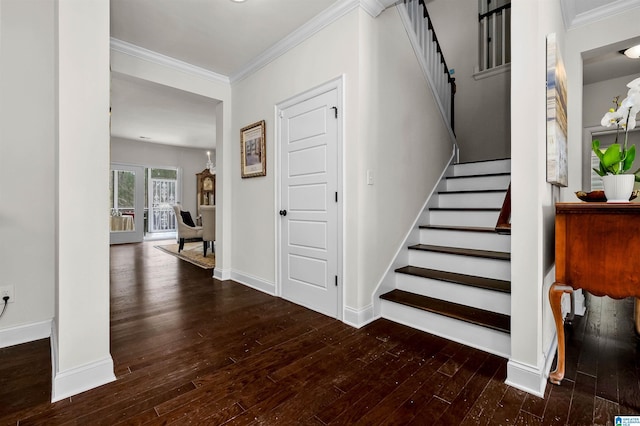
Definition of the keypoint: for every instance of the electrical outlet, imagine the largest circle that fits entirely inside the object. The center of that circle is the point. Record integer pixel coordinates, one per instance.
(7, 290)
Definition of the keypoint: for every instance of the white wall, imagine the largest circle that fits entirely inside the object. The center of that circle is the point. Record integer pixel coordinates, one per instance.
(392, 128)
(532, 199)
(323, 57)
(597, 98)
(27, 169)
(190, 160)
(403, 140)
(482, 107)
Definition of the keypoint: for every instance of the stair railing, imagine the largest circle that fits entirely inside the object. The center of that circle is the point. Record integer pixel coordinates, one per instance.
(427, 48)
(503, 226)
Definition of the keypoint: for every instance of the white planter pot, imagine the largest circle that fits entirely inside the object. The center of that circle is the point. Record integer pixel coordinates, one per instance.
(618, 188)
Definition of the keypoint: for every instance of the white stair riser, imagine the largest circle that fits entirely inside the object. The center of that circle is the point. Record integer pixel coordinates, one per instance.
(491, 241)
(476, 200)
(485, 219)
(468, 265)
(489, 300)
(478, 183)
(479, 337)
(484, 167)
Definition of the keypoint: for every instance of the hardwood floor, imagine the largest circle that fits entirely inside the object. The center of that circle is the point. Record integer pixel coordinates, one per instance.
(190, 349)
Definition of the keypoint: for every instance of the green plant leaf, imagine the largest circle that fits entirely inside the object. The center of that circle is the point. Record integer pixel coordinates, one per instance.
(612, 157)
(596, 149)
(628, 159)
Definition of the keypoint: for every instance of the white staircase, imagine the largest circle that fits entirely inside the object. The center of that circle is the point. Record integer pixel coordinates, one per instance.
(457, 284)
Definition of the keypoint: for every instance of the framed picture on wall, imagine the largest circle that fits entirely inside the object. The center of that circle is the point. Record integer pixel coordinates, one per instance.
(253, 154)
(557, 165)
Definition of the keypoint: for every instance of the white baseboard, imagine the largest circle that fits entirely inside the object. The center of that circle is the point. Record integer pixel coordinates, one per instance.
(222, 274)
(25, 333)
(358, 317)
(527, 378)
(76, 380)
(254, 282)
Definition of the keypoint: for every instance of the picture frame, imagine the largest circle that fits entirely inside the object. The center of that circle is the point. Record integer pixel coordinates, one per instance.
(557, 150)
(253, 152)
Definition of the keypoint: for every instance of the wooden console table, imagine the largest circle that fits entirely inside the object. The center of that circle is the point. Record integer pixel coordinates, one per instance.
(597, 246)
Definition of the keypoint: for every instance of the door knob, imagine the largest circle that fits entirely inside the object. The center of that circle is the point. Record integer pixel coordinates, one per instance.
(283, 212)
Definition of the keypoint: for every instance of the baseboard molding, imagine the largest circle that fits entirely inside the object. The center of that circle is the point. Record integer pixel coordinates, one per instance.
(254, 282)
(25, 333)
(527, 378)
(358, 317)
(76, 380)
(222, 274)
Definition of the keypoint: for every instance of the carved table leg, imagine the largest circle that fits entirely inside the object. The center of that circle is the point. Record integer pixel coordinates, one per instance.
(555, 298)
(637, 315)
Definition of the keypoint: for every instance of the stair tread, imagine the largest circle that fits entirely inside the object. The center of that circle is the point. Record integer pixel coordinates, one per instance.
(495, 321)
(453, 277)
(460, 228)
(499, 255)
(462, 163)
(466, 209)
(472, 191)
(479, 175)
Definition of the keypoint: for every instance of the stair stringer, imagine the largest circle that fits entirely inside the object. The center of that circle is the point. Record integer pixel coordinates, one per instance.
(401, 258)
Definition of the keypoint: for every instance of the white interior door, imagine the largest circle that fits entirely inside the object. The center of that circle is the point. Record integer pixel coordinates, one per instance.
(308, 204)
(126, 219)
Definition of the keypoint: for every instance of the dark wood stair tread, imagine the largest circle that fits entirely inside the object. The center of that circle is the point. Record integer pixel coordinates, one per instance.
(465, 209)
(472, 191)
(459, 228)
(463, 251)
(453, 277)
(479, 175)
(495, 321)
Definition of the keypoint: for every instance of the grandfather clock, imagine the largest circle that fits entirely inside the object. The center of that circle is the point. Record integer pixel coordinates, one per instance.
(206, 192)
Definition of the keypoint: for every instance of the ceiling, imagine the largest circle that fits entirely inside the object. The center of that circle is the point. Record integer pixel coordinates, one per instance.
(224, 37)
(221, 36)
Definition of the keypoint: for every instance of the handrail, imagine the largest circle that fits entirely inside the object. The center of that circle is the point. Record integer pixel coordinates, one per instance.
(447, 71)
(494, 11)
(430, 50)
(503, 226)
(494, 27)
(434, 37)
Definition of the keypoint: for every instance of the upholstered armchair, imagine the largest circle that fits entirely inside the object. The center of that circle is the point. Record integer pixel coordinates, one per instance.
(208, 227)
(184, 230)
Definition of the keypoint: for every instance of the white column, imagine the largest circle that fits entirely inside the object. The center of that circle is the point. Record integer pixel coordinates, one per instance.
(81, 331)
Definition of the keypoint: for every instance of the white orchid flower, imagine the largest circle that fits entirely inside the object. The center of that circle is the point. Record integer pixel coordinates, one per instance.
(611, 117)
(635, 84)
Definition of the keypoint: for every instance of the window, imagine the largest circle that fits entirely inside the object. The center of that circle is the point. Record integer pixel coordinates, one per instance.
(494, 27)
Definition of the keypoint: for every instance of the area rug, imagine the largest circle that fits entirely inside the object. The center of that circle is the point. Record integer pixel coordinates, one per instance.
(192, 252)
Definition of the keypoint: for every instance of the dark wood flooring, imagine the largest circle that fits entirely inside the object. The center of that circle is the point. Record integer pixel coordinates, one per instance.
(190, 349)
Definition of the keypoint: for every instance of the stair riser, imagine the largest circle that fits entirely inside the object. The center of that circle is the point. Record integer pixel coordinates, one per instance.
(489, 300)
(466, 239)
(479, 200)
(484, 167)
(478, 183)
(479, 337)
(485, 219)
(469, 265)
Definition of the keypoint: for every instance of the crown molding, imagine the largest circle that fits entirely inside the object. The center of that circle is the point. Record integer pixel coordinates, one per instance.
(332, 14)
(573, 19)
(158, 58)
(376, 7)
